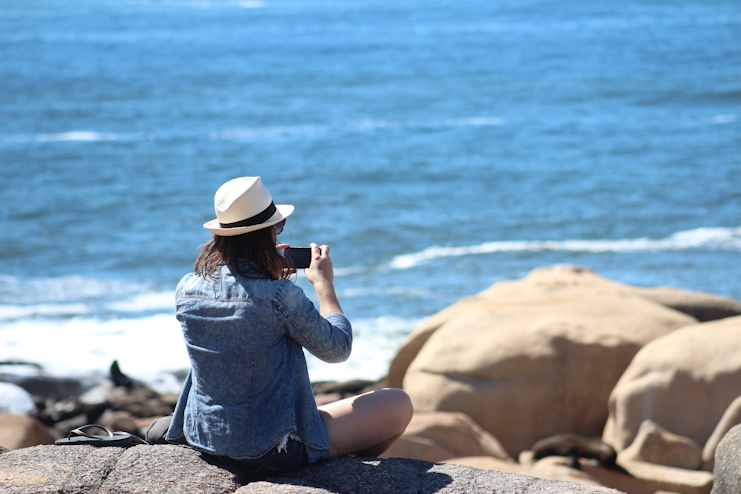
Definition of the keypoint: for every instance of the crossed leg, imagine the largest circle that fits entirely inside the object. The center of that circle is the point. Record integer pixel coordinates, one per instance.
(366, 425)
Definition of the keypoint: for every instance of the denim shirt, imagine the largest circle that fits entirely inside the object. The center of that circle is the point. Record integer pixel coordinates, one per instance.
(248, 387)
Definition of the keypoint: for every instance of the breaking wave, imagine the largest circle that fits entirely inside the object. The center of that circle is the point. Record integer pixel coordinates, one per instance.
(700, 238)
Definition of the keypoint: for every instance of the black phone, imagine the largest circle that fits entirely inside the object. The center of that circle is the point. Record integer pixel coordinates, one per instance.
(300, 256)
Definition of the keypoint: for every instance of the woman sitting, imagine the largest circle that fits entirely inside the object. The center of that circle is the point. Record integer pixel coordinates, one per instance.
(248, 399)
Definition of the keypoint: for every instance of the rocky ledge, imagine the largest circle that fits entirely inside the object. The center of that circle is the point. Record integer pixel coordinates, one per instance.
(178, 469)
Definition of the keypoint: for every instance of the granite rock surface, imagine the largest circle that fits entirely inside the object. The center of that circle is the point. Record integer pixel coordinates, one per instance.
(177, 469)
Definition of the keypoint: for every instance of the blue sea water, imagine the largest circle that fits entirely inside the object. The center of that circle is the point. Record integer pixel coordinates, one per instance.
(437, 147)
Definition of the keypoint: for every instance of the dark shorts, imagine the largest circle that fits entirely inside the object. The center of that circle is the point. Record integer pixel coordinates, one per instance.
(293, 457)
(273, 463)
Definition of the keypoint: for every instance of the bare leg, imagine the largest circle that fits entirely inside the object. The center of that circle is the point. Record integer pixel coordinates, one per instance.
(366, 424)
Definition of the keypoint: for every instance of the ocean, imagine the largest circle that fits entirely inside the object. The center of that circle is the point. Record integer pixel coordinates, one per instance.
(438, 147)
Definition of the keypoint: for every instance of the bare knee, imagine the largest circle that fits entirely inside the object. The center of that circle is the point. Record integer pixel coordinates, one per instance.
(400, 408)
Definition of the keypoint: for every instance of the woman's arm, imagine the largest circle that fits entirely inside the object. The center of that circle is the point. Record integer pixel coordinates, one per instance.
(326, 333)
(321, 275)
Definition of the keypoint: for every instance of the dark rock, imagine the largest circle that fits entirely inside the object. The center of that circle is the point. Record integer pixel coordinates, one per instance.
(574, 447)
(178, 469)
(727, 471)
(52, 412)
(120, 379)
(48, 387)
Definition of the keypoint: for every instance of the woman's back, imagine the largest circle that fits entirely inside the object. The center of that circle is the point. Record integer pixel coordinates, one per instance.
(243, 337)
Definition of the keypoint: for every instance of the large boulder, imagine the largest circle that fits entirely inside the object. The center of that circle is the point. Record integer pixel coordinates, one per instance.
(683, 381)
(180, 470)
(560, 282)
(532, 369)
(439, 436)
(654, 444)
(633, 477)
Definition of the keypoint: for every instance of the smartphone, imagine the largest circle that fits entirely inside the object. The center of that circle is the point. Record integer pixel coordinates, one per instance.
(300, 256)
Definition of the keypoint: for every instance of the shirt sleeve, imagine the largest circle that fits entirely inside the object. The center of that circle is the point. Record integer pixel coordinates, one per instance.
(327, 338)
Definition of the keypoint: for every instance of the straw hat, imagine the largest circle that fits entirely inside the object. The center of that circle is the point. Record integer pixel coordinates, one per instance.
(244, 205)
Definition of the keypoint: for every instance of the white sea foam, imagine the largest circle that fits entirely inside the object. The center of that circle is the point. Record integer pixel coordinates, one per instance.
(375, 342)
(251, 133)
(249, 4)
(162, 301)
(351, 126)
(150, 348)
(700, 238)
(723, 119)
(477, 121)
(64, 289)
(46, 310)
(346, 271)
(255, 132)
(393, 290)
(85, 346)
(78, 135)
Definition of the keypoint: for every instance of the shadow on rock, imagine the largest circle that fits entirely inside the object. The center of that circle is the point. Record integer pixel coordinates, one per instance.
(397, 476)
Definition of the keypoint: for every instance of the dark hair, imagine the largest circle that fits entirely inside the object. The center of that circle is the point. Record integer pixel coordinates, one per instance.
(257, 248)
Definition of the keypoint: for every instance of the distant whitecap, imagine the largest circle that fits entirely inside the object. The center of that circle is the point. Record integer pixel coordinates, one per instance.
(723, 119)
(77, 136)
(700, 238)
(247, 4)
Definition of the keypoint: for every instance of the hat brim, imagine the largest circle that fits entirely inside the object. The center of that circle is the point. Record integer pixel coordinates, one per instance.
(282, 212)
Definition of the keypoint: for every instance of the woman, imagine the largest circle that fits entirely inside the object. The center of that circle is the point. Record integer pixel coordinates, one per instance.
(247, 398)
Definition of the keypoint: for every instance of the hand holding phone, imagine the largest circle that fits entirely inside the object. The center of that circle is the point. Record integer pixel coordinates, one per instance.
(300, 256)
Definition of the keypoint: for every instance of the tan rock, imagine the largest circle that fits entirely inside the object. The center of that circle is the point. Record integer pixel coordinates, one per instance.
(21, 431)
(525, 371)
(683, 381)
(702, 306)
(647, 478)
(731, 418)
(526, 459)
(486, 463)
(443, 435)
(654, 444)
(637, 477)
(413, 343)
(565, 281)
(559, 282)
(418, 448)
(557, 468)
